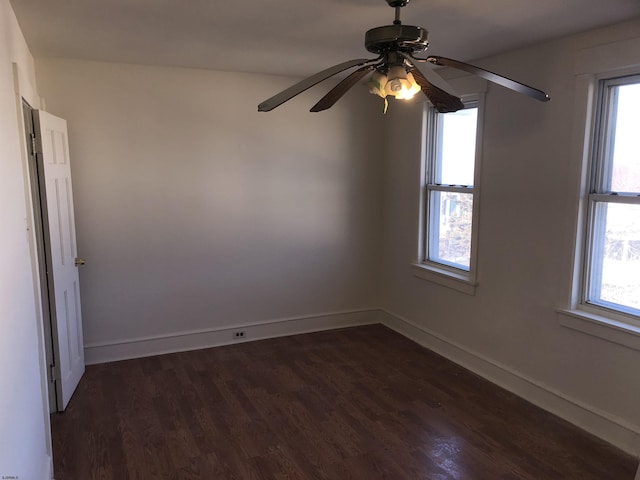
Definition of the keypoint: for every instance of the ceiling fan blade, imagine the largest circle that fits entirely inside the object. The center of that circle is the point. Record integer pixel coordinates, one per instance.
(341, 88)
(309, 82)
(442, 101)
(492, 77)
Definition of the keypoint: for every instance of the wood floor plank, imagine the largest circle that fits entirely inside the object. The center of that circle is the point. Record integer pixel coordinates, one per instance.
(358, 403)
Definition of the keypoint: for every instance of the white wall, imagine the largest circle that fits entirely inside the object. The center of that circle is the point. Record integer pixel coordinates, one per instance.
(509, 330)
(195, 212)
(24, 424)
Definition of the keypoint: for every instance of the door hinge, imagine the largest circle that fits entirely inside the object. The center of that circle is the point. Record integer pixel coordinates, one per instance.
(33, 144)
(52, 372)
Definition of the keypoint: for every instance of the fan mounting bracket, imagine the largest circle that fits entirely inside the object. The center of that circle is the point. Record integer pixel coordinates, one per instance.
(389, 38)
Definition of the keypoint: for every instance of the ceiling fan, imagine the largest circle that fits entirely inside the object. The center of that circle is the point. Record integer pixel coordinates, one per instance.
(396, 71)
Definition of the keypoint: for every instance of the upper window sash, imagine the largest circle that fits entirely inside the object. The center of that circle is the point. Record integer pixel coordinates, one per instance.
(605, 128)
(433, 172)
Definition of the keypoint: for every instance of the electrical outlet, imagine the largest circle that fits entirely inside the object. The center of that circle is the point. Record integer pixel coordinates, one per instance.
(239, 335)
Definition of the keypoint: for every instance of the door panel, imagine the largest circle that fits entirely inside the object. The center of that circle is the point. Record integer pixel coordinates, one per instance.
(54, 172)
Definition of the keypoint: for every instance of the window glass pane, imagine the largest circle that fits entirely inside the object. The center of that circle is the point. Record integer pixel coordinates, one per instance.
(451, 228)
(457, 147)
(615, 272)
(626, 139)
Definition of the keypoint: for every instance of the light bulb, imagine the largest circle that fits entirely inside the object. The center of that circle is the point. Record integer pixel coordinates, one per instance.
(401, 84)
(409, 89)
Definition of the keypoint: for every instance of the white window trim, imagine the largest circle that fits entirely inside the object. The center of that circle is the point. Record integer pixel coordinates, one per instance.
(592, 65)
(612, 327)
(445, 277)
(470, 89)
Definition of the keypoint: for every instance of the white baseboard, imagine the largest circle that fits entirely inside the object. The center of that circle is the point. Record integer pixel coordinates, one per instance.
(601, 424)
(214, 337)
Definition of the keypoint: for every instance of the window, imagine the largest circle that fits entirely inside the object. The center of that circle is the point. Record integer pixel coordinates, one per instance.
(612, 263)
(602, 298)
(449, 193)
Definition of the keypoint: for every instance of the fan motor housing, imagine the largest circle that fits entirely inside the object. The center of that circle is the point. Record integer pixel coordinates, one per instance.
(405, 38)
(397, 3)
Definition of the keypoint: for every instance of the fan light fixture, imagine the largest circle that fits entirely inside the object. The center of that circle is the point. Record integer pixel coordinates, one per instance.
(396, 72)
(397, 83)
(401, 84)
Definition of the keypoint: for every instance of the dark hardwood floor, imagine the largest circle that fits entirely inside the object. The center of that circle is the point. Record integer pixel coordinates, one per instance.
(360, 403)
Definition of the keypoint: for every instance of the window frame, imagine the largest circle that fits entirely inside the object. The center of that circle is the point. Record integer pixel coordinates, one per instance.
(609, 60)
(599, 193)
(448, 274)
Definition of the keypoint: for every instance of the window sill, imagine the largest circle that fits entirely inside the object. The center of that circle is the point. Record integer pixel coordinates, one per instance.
(606, 328)
(446, 278)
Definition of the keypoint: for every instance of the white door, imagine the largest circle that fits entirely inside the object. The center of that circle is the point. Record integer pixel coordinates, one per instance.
(54, 172)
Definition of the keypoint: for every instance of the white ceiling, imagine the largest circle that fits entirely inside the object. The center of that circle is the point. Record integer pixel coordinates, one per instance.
(295, 37)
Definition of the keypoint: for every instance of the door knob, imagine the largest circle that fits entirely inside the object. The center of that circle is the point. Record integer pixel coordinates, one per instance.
(80, 261)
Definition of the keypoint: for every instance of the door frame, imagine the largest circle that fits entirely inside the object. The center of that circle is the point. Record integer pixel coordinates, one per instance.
(43, 264)
(24, 89)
